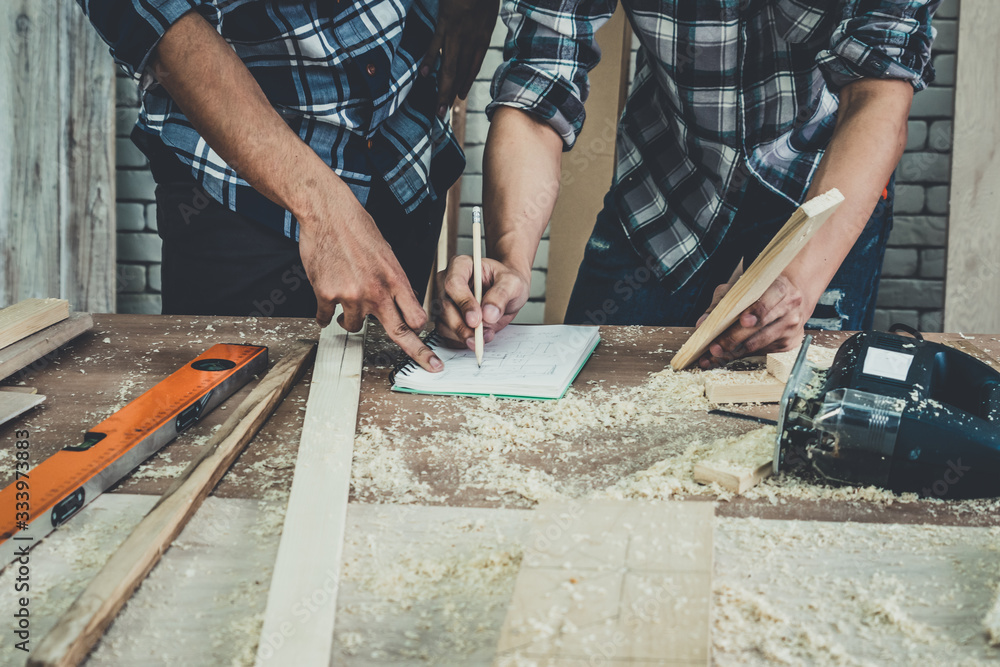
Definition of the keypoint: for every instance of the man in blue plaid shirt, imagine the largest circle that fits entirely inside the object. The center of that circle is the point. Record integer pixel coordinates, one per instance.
(299, 148)
(740, 110)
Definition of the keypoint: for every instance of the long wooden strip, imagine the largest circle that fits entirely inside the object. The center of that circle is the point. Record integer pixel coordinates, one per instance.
(31, 349)
(744, 387)
(782, 249)
(613, 583)
(82, 625)
(307, 567)
(30, 316)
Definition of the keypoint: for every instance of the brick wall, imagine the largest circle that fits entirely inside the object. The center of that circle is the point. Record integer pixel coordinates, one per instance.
(912, 289)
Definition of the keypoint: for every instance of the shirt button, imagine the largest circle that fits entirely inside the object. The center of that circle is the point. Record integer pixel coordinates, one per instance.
(370, 69)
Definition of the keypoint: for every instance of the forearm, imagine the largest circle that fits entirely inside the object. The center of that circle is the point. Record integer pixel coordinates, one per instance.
(216, 91)
(866, 146)
(521, 167)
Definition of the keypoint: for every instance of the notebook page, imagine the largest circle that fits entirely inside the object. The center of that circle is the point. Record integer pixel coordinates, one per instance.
(520, 360)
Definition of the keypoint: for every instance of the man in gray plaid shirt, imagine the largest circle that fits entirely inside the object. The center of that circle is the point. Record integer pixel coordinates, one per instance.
(740, 110)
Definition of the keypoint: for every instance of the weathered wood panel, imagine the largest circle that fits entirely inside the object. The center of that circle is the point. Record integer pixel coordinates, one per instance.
(972, 302)
(57, 171)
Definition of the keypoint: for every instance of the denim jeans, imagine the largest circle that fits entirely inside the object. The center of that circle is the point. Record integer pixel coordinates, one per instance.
(615, 285)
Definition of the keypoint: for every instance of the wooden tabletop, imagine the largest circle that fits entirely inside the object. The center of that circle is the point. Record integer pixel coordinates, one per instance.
(124, 355)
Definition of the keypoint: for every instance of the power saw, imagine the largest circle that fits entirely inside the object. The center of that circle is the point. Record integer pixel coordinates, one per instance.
(895, 412)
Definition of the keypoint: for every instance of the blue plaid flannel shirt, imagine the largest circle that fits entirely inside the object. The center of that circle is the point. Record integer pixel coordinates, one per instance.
(342, 73)
(724, 91)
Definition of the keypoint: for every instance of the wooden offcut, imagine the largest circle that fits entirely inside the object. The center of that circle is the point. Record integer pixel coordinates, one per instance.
(744, 387)
(780, 364)
(622, 582)
(30, 316)
(15, 404)
(733, 481)
(83, 624)
(312, 538)
(786, 244)
(34, 349)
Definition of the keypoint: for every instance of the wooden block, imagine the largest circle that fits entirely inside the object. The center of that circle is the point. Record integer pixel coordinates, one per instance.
(20, 390)
(312, 539)
(30, 316)
(779, 364)
(734, 482)
(613, 583)
(83, 624)
(29, 350)
(13, 404)
(743, 387)
(782, 249)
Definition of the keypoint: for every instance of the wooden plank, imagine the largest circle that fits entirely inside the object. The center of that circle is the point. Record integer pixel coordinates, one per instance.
(779, 364)
(589, 168)
(974, 351)
(30, 316)
(734, 482)
(14, 404)
(615, 581)
(786, 244)
(972, 302)
(312, 540)
(79, 629)
(33, 348)
(744, 387)
(57, 178)
(21, 390)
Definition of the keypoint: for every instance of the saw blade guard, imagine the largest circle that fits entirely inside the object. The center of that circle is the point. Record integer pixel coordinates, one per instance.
(855, 434)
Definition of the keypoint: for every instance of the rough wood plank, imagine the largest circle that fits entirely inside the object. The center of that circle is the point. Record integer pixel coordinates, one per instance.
(972, 302)
(974, 351)
(779, 364)
(76, 632)
(57, 176)
(21, 390)
(737, 483)
(30, 316)
(312, 540)
(13, 404)
(613, 581)
(37, 346)
(745, 387)
(782, 249)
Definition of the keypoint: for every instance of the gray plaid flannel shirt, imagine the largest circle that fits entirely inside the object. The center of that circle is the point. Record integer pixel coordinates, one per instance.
(724, 90)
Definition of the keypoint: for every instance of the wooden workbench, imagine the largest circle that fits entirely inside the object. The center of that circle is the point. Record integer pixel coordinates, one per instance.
(124, 355)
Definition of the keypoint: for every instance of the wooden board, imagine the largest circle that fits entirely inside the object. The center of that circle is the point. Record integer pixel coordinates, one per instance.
(15, 404)
(36, 350)
(57, 178)
(745, 387)
(30, 316)
(786, 244)
(734, 483)
(588, 168)
(620, 582)
(779, 364)
(309, 555)
(972, 302)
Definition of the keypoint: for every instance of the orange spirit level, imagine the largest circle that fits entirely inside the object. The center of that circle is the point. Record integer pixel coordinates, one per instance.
(40, 499)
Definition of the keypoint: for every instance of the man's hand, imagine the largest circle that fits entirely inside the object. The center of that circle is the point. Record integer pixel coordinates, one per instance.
(774, 323)
(462, 36)
(505, 293)
(348, 262)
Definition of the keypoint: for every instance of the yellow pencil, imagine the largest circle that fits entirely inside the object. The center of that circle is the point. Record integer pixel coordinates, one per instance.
(477, 274)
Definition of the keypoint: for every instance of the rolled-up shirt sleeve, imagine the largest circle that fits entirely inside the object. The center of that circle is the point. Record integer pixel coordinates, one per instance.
(549, 50)
(884, 39)
(133, 28)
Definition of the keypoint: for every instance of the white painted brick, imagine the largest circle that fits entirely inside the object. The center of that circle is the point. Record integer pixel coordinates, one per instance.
(129, 217)
(153, 278)
(125, 121)
(538, 284)
(924, 168)
(126, 92)
(944, 69)
(138, 247)
(899, 262)
(937, 199)
(151, 217)
(916, 135)
(140, 304)
(479, 96)
(933, 103)
(918, 230)
(947, 35)
(128, 155)
(493, 60)
(499, 34)
(533, 312)
(904, 292)
(931, 321)
(932, 263)
(887, 317)
(947, 10)
(474, 159)
(476, 128)
(939, 136)
(135, 185)
(908, 199)
(130, 278)
(542, 256)
(472, 189)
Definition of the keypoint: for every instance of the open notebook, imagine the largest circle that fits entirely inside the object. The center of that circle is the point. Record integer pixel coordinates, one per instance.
(521, 362)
